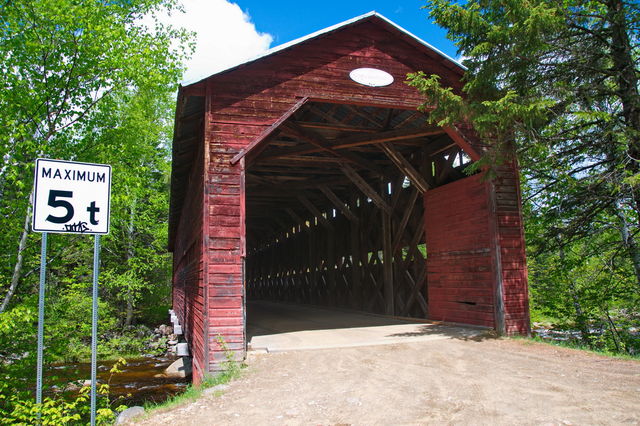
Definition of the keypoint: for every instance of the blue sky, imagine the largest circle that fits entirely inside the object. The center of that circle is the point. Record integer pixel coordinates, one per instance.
(230, 32)
(286, 20)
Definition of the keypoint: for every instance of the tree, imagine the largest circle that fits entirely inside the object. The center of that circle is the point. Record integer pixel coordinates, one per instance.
(60, 59)
(85, 81)
(558, 82)
(135, 137)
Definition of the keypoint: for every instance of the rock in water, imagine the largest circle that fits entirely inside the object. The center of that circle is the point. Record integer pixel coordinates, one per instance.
(180, 368)
(129, 414)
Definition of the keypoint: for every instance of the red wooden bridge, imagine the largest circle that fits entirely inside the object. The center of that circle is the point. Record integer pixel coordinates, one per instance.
(293, 182)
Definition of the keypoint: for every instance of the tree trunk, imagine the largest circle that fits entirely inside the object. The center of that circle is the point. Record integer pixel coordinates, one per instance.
(129, 255)
(129, 316)
(624, 66)
(17, 270)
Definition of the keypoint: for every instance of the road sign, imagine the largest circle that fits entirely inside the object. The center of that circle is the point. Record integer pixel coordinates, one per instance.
(71, 197)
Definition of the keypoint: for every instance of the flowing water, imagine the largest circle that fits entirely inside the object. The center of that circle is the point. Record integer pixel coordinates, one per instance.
(140, 381)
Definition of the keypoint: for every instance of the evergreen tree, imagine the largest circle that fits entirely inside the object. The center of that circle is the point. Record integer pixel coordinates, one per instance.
(558, 83)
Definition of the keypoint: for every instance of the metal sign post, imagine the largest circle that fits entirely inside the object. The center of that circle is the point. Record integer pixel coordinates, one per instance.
(71, 198)
(43, 269)
(94, 326)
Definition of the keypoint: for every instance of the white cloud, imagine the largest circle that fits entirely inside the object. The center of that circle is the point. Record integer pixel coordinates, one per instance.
(225, 36)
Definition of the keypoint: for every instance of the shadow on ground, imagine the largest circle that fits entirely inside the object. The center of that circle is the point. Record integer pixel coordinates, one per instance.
(270, 318)
(452, 331)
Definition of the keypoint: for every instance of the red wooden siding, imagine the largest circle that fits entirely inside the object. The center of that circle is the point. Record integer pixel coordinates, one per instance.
(188, 283)
(462, 273)
(224, 236)
(459, 263)
(512, 250)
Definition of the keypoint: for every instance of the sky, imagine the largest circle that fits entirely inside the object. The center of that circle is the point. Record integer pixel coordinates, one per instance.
(230, 33)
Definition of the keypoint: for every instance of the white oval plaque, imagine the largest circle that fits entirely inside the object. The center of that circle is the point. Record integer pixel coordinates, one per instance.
(371, 77)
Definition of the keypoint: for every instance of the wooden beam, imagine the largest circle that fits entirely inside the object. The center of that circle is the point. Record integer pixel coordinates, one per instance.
(405, 166)
(496, 259)
(443, 149)
(323, 145)
(387, 262)
(408, 210)
(297, 219)
(356, 257)
(359, 140)
(364, 116)
(269, 131)
(317, 213)
(327, 116)
(387, 119)
(388, 136)
(366, 188)
(290, 161)
(409, 119)
(336, 127)
(310, 183)
(338, 203)
(456, 135)
(375, 102)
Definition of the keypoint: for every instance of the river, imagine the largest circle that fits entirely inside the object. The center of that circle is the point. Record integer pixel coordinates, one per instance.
(140, 381)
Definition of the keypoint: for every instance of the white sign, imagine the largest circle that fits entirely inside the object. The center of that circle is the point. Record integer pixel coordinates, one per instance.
(371, 77)
(71, 197)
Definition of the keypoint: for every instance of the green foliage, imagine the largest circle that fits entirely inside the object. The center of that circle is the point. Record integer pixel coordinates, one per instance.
(86, 81)
(230, 366)
(57, 411)
(17, 351)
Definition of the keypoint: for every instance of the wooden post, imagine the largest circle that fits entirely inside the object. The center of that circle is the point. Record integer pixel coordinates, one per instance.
(313, 266)
(387, 255)
(496, 259)
(356, 257)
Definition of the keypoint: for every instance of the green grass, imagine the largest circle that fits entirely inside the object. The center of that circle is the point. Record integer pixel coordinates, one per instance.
(232, 371)
(575, 344)
(546, 319)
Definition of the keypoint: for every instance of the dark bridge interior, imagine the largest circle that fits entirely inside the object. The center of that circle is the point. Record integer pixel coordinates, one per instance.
(335, 211)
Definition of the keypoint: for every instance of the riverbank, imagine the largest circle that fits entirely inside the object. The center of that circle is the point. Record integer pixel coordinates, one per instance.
(140, 380)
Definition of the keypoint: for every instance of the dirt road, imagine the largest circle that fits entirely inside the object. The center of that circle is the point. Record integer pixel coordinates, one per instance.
(449, 381)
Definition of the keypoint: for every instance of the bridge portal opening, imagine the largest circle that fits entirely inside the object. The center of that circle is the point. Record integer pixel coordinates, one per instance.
(335, 208)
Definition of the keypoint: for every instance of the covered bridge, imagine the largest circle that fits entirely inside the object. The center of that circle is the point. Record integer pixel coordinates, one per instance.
(307, 175)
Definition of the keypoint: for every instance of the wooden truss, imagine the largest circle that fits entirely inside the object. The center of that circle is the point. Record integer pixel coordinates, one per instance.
(334, 206)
